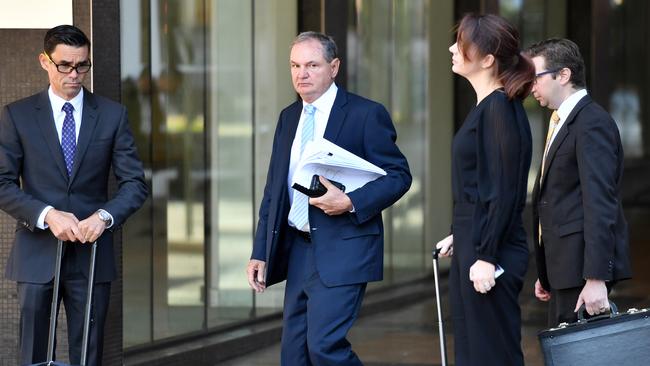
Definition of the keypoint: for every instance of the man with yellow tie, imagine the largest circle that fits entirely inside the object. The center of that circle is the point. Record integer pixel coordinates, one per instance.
(580, 233)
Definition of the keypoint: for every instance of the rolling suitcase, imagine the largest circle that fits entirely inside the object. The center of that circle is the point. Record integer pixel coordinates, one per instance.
(441, 329)
(53, 310)
(620, 339)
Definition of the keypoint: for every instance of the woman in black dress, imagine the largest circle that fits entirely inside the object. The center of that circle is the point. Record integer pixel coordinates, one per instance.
(491, 155)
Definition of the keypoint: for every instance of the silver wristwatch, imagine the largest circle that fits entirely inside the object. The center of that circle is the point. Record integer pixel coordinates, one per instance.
(104, 216)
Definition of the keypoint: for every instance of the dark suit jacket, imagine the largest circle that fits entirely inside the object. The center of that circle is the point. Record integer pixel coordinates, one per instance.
(33, 175)
(348, 247)
(578, 203)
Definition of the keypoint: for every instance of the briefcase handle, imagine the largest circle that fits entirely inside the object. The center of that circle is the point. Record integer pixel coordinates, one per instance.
(613, 310)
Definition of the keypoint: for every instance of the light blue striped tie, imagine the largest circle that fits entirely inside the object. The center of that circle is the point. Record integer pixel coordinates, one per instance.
(299, 215)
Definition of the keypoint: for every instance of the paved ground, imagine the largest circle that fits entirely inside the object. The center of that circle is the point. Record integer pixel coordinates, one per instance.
(408, 336)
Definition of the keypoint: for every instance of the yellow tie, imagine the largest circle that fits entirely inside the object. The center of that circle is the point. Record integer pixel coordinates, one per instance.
(552, 125)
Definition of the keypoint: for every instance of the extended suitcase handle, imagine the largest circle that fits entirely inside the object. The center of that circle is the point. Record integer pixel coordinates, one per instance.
(54, 306)
(441, 329)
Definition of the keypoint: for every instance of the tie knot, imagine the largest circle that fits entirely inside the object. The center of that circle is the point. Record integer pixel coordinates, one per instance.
(67, 108)
(555, 117)
(309, 109)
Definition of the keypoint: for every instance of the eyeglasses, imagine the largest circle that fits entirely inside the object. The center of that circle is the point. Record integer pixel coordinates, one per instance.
(67, 69)
(539, 74)
(547, 72)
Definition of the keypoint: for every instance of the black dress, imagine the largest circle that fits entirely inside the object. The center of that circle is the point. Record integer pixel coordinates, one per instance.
(491, 155)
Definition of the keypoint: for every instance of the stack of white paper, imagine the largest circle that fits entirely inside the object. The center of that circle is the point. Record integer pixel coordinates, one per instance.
(326, 159)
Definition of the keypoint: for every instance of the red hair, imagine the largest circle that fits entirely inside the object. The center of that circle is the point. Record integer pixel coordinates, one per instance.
(492, 35)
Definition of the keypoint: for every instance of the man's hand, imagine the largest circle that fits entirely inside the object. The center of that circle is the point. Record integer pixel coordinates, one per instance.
(594, 296)
(334, 202)
(91, 228)
(540, 293)
(64, 225)
(256, 275)
(482, 274)
(446, 246)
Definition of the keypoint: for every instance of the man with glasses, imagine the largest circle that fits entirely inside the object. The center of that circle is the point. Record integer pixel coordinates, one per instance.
(580, 233)
(57, 148)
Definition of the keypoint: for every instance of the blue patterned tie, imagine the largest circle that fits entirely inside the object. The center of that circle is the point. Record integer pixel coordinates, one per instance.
(299, 213)
(68, 137)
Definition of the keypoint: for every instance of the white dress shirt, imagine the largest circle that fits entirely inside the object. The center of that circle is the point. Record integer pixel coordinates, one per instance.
(323, 107)
(565, 109)
(59, 115)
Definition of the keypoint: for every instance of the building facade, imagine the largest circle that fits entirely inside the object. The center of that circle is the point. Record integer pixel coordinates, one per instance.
(204, 82)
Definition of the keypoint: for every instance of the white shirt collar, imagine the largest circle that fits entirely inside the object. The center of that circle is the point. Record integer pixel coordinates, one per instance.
(325, 102)
(569, 103)
(58, 102)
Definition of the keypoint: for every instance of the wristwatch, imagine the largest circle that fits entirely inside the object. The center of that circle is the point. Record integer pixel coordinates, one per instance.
(104, 216)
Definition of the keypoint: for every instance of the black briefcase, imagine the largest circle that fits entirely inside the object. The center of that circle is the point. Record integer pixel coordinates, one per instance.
(616, 339)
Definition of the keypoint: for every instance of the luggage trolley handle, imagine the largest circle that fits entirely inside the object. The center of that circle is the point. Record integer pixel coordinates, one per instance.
(55, 297)
(441, 330)
(89, 302)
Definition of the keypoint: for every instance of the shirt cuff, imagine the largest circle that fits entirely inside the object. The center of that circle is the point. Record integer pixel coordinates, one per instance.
(40, 223)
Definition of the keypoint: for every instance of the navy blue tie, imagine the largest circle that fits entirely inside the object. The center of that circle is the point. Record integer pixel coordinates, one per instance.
(68, 137)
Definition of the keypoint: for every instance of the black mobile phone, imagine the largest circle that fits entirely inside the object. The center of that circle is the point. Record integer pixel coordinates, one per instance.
(316, 188)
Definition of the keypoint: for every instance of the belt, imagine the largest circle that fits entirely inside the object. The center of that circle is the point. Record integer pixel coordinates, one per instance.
(306, 236)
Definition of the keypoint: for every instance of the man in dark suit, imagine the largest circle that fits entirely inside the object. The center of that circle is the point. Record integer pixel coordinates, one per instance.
(327, 248)
(57, 148)
(580, 233)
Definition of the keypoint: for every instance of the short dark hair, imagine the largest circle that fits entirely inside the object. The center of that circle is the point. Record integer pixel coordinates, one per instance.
(558, 54)
(64, 34)
(330, 51)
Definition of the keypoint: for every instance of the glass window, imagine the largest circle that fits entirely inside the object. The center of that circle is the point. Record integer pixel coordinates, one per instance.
(203, 118)
(627, 67)
(275, 29)
(388, 49)
(178, 73)
(137, 233)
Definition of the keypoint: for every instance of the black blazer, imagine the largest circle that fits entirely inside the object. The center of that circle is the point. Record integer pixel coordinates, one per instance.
(33, 175)
(349, 247)
(578, 203)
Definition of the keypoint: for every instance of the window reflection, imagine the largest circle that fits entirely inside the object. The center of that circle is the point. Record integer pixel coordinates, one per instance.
(625, 107)
(188, 86)
(401, 48)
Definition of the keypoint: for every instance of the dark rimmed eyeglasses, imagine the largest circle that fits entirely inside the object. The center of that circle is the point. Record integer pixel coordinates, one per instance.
(67, 69)
(547, 72)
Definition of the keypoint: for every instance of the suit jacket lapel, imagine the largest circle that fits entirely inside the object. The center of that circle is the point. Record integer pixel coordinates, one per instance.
(293, 117)
(88, 124)
(563, 133)
(48, 129)
(337, 116)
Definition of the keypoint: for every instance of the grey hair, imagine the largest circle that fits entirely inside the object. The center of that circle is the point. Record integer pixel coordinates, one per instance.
(330, 51)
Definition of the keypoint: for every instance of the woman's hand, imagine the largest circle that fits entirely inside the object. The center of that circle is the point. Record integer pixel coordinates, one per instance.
(482, 274)
(446, 246)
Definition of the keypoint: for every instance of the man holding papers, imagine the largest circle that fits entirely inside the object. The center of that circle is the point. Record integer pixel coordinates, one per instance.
(329, 247)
